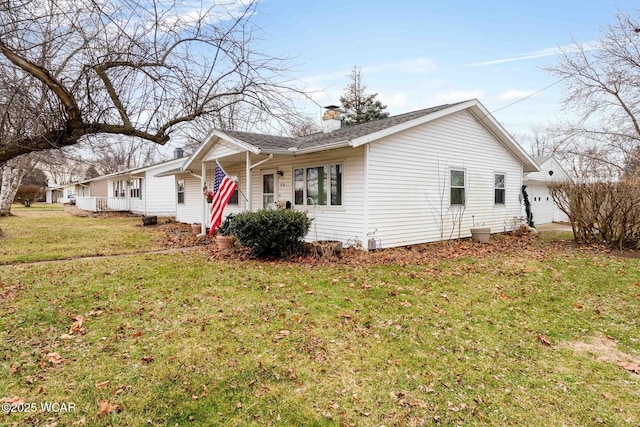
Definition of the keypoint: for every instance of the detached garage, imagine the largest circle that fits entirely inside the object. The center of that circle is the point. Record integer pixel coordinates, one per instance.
(543, 208)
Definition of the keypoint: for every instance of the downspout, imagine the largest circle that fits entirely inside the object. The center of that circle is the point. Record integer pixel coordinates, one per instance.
(248, 180)
(144, 192)
(203, 182)
(365, 195)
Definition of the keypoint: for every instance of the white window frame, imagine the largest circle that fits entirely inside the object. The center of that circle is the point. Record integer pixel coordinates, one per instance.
(463, 187)
(236, 180)
(327, 184)
(119, 191)
(504, 189)
(184, 195)
(135, 189)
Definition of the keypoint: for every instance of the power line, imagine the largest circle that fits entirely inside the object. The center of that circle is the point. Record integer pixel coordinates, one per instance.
(529, 96)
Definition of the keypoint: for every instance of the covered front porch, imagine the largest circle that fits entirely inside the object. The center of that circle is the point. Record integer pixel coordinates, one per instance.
(106, 204)
(259, 186)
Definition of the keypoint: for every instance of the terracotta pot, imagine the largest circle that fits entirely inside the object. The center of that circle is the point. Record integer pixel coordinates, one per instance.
(196, 228)
(225, 242)
(480, 234)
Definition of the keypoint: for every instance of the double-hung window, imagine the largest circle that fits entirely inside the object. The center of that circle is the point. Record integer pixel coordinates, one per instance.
(135, 191)
(234, 197)
(318, 185)
(499, 196)
(457, 187)
(180, 188)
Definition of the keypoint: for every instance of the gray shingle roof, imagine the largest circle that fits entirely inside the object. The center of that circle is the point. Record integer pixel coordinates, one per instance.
(321, 139)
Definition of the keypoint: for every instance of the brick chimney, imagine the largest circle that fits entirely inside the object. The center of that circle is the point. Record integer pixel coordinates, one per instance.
(331, 119)
(178, 153)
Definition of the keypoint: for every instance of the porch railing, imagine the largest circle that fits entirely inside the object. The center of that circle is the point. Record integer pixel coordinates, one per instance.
(102, 204)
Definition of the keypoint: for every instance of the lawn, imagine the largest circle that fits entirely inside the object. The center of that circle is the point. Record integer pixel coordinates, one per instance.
(47, 232)
(526, 333)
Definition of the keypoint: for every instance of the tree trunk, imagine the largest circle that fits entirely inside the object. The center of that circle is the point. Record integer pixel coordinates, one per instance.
(12, 174)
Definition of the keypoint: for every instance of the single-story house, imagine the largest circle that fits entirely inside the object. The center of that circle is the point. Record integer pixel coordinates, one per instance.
(54, 193)
(65, 193)
(417, 177)
(137, 190)
(543, 208)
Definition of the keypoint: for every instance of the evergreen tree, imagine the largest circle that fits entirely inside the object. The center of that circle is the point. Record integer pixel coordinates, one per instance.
(359, 106)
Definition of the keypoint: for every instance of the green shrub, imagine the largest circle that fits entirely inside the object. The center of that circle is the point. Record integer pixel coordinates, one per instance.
(271, 232)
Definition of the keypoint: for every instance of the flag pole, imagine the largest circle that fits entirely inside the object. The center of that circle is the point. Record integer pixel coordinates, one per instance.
(238, 187)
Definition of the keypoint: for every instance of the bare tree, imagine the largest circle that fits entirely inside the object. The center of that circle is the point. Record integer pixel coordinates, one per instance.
(12, 173)
(114, 154)
(305, 127)
(603, 86)
(122, 67)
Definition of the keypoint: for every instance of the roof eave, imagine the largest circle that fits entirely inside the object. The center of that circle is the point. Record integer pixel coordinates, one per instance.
(310, 150)
(220, 135)
(365, 139)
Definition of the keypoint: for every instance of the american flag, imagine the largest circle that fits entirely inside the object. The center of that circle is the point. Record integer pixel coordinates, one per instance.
(223, 187)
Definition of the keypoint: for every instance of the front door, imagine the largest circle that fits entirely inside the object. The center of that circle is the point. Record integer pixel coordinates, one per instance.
(268, 189)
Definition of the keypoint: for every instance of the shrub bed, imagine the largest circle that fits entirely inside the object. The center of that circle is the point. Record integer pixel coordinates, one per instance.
(271, 232)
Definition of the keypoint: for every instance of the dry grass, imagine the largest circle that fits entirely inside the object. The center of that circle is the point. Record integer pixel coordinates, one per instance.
(451, 335)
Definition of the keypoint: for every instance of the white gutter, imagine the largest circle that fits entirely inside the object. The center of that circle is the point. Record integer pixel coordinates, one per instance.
(262, 161)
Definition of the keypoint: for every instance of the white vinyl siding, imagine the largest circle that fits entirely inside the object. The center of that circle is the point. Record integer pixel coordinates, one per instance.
(409, 177)
(191, 211)
(344, 222)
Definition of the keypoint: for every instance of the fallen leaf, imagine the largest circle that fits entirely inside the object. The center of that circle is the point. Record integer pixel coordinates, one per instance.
(54, 358)
(578, 305)
(14, 400)
(631, 367)
(147, 360)
(137, 334)
(103, 384)
(108, 408)
(543, 340)
(406, 304)
(66, 337)
(77, 325)
(283, 333)
(14, 368)
(122, 389)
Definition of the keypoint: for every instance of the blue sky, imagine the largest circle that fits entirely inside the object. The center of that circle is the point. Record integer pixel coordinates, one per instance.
(417, 54)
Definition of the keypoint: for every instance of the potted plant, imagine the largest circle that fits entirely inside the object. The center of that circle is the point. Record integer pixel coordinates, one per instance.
(479, 232)
(224, 237)
(209, 195)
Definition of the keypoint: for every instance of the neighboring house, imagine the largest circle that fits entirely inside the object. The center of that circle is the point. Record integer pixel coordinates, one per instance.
(543, 208)
(417, 177)
(137, 190)
(53, 193)
(65, 193)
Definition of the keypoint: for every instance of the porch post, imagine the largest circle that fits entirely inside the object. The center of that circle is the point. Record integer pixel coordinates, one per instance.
(248, 179)
(203, 182)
